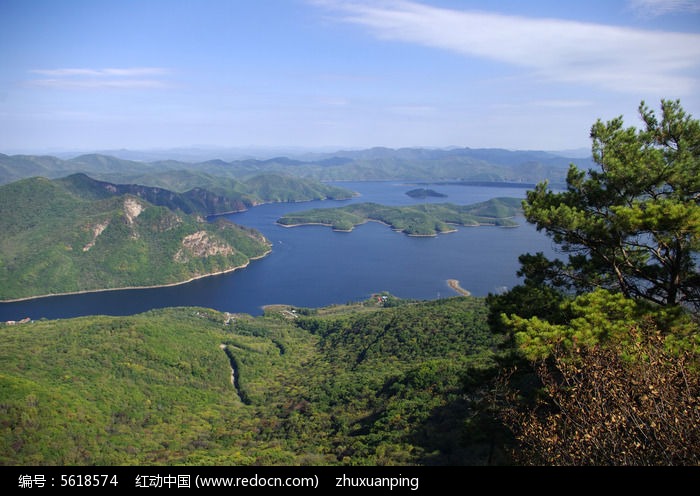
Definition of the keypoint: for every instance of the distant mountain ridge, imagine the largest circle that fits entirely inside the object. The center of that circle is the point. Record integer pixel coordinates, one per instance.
(377, 163)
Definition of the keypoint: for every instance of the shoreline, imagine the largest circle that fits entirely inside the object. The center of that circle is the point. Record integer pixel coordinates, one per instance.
(126, 288)
(454, 284)
(253, 205)
(436, 233)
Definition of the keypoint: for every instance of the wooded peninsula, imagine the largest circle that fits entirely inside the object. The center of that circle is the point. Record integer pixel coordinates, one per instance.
(415, 220)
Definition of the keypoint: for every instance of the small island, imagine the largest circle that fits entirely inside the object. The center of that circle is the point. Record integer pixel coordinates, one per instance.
(425, 193)
(414, 220)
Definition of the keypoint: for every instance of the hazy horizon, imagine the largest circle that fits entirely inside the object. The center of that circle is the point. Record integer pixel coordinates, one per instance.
(214, 152)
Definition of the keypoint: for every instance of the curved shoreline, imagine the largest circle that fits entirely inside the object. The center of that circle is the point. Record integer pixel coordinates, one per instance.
(253, 205)
(126, 288)
(436, 233)
(454, 284)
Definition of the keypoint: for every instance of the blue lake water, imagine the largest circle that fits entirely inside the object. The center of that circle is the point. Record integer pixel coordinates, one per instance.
(312, 266)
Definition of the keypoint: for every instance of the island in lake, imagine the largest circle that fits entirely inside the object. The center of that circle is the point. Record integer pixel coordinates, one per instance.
(425, 193)
(414, 220)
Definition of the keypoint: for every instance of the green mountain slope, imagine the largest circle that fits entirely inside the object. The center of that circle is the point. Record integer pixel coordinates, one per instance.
(194, 201)
(15, 167)
(285, 188)
(253, 189)
(205, 194)
(356, 385)
(57, 242)
(415, 220)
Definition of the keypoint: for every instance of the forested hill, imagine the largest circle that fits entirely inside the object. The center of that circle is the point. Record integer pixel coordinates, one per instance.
(391, 383)
(462, 164)
(56, 240)
(213, 195)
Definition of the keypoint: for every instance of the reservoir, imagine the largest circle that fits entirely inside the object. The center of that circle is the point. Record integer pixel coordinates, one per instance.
(313, 266)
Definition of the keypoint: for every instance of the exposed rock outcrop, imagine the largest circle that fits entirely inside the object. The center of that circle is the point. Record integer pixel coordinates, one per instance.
(200, 245)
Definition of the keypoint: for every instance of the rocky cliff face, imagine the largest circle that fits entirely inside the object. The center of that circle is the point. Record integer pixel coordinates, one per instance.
(201, 245)
(132, 209)
(96, 229)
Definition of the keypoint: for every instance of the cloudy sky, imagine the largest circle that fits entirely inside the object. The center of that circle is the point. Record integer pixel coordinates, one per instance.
(140, 74)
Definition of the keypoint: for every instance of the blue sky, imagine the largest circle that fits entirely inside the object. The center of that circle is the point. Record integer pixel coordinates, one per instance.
(141, 74)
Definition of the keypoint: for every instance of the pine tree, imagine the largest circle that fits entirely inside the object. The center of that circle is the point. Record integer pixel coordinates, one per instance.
(633, 225)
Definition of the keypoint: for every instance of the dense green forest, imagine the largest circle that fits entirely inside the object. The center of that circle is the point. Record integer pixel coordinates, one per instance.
(382, 382)
(416, 220)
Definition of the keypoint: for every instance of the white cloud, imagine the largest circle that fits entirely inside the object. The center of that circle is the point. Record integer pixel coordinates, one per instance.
(610, 57)
(85, 78)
